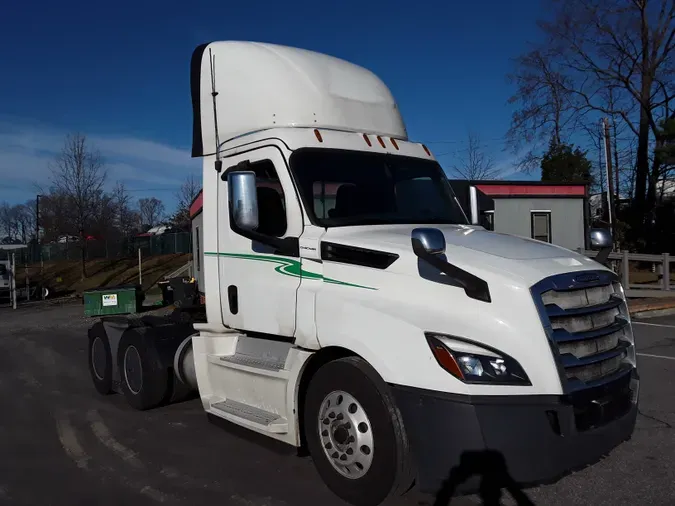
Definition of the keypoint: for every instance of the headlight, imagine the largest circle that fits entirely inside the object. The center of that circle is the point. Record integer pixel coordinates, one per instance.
(474, 363)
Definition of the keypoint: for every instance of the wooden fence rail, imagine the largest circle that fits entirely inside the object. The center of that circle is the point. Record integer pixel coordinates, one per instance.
(620, 262)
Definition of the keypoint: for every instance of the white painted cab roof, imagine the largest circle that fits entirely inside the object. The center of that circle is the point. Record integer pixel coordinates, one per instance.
(261, 86)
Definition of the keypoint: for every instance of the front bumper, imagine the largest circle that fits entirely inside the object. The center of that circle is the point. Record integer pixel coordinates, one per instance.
(459, 440)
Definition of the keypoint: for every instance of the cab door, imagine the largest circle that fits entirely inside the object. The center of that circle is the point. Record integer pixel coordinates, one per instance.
(259, 283)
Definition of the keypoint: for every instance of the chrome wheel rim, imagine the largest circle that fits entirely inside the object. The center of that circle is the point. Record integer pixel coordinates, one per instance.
(346, 434)
(133, 370)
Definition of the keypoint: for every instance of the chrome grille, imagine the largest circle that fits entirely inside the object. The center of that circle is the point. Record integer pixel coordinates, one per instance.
(587, 347)
(586, 322)
(579, 298)
(586, 319)
(597, 371)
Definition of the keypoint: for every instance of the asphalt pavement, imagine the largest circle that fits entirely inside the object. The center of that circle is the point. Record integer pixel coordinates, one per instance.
(61, 443)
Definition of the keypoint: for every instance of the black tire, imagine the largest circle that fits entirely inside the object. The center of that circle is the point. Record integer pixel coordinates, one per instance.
(178, 391)
(100, 359)
(390, 472)
(151, 387)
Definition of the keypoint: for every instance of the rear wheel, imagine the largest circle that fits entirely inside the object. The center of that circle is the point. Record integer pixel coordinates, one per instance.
(144, 381)
(100, 360)
(355, 434)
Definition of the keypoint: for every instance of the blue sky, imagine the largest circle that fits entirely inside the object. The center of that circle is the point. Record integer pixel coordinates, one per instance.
(119, 72)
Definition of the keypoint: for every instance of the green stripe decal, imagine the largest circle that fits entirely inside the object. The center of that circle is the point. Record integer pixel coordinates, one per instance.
(287, 267)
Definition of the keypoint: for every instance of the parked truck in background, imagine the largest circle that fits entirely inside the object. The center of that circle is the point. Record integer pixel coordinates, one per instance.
(5, 288)
(353, 309)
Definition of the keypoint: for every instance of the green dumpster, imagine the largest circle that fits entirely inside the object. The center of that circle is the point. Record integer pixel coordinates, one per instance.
(125, 299)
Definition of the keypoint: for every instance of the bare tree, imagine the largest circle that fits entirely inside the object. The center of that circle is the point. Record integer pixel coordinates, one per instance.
(546, 113)
(188, 191)
(7, 222)
(55, 219)
(15, 223)
(151, 210)
(126, 218)
(185, 196)
(475, 164)
(623, 145)
(103, 225)
(78, 176)
(625, 46)
(30, 213)
(25, 222)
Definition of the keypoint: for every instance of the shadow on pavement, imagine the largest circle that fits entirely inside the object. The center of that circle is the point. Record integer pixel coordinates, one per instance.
(490, 467)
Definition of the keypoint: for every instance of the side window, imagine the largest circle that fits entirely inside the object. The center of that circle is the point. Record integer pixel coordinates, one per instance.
(271, 200)
(541, 225)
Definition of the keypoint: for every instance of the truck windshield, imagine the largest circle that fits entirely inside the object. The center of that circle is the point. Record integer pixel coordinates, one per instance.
(346, 188)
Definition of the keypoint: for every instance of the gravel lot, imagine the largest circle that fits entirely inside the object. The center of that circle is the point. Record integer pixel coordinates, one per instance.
(63, 444)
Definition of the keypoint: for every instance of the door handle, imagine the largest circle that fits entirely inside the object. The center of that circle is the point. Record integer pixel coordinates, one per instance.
(233, 299)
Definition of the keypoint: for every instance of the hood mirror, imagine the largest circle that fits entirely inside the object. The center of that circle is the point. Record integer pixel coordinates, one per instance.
(428, 240)
(601, 238)
(429, 246)
(601, 241)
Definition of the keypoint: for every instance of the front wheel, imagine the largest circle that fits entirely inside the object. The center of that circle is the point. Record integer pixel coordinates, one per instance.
(355, 434)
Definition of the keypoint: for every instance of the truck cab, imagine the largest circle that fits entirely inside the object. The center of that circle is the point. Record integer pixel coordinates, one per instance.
(334, 243)
(354, 309)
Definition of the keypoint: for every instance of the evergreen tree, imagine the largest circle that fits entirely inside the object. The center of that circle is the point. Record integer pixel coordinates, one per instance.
(665, 144)
(563, 163)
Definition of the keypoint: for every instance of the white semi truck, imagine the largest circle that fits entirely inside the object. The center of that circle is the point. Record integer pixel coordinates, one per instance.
(352, 308)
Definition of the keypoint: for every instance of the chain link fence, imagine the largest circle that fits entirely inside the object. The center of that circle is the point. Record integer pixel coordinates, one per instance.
(105, 249)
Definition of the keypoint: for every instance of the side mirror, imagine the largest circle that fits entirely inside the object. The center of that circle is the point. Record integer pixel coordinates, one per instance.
(243, 196)
(427, 240)
(601, 241)
(601, 238)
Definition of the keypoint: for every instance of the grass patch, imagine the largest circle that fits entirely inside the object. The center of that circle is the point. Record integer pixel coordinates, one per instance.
(64, 276)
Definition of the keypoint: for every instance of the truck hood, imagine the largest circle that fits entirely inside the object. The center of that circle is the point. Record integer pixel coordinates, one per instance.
(469, 246)
(473, 238)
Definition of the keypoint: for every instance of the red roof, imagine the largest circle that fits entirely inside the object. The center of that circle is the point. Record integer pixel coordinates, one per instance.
(533, 190)
(197, 204)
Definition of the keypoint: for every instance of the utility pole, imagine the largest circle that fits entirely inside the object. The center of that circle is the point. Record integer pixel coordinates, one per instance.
(12, 285)
(617, 192)
(37, 219)
(38, 246)
(140, 268)
(608, 167)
